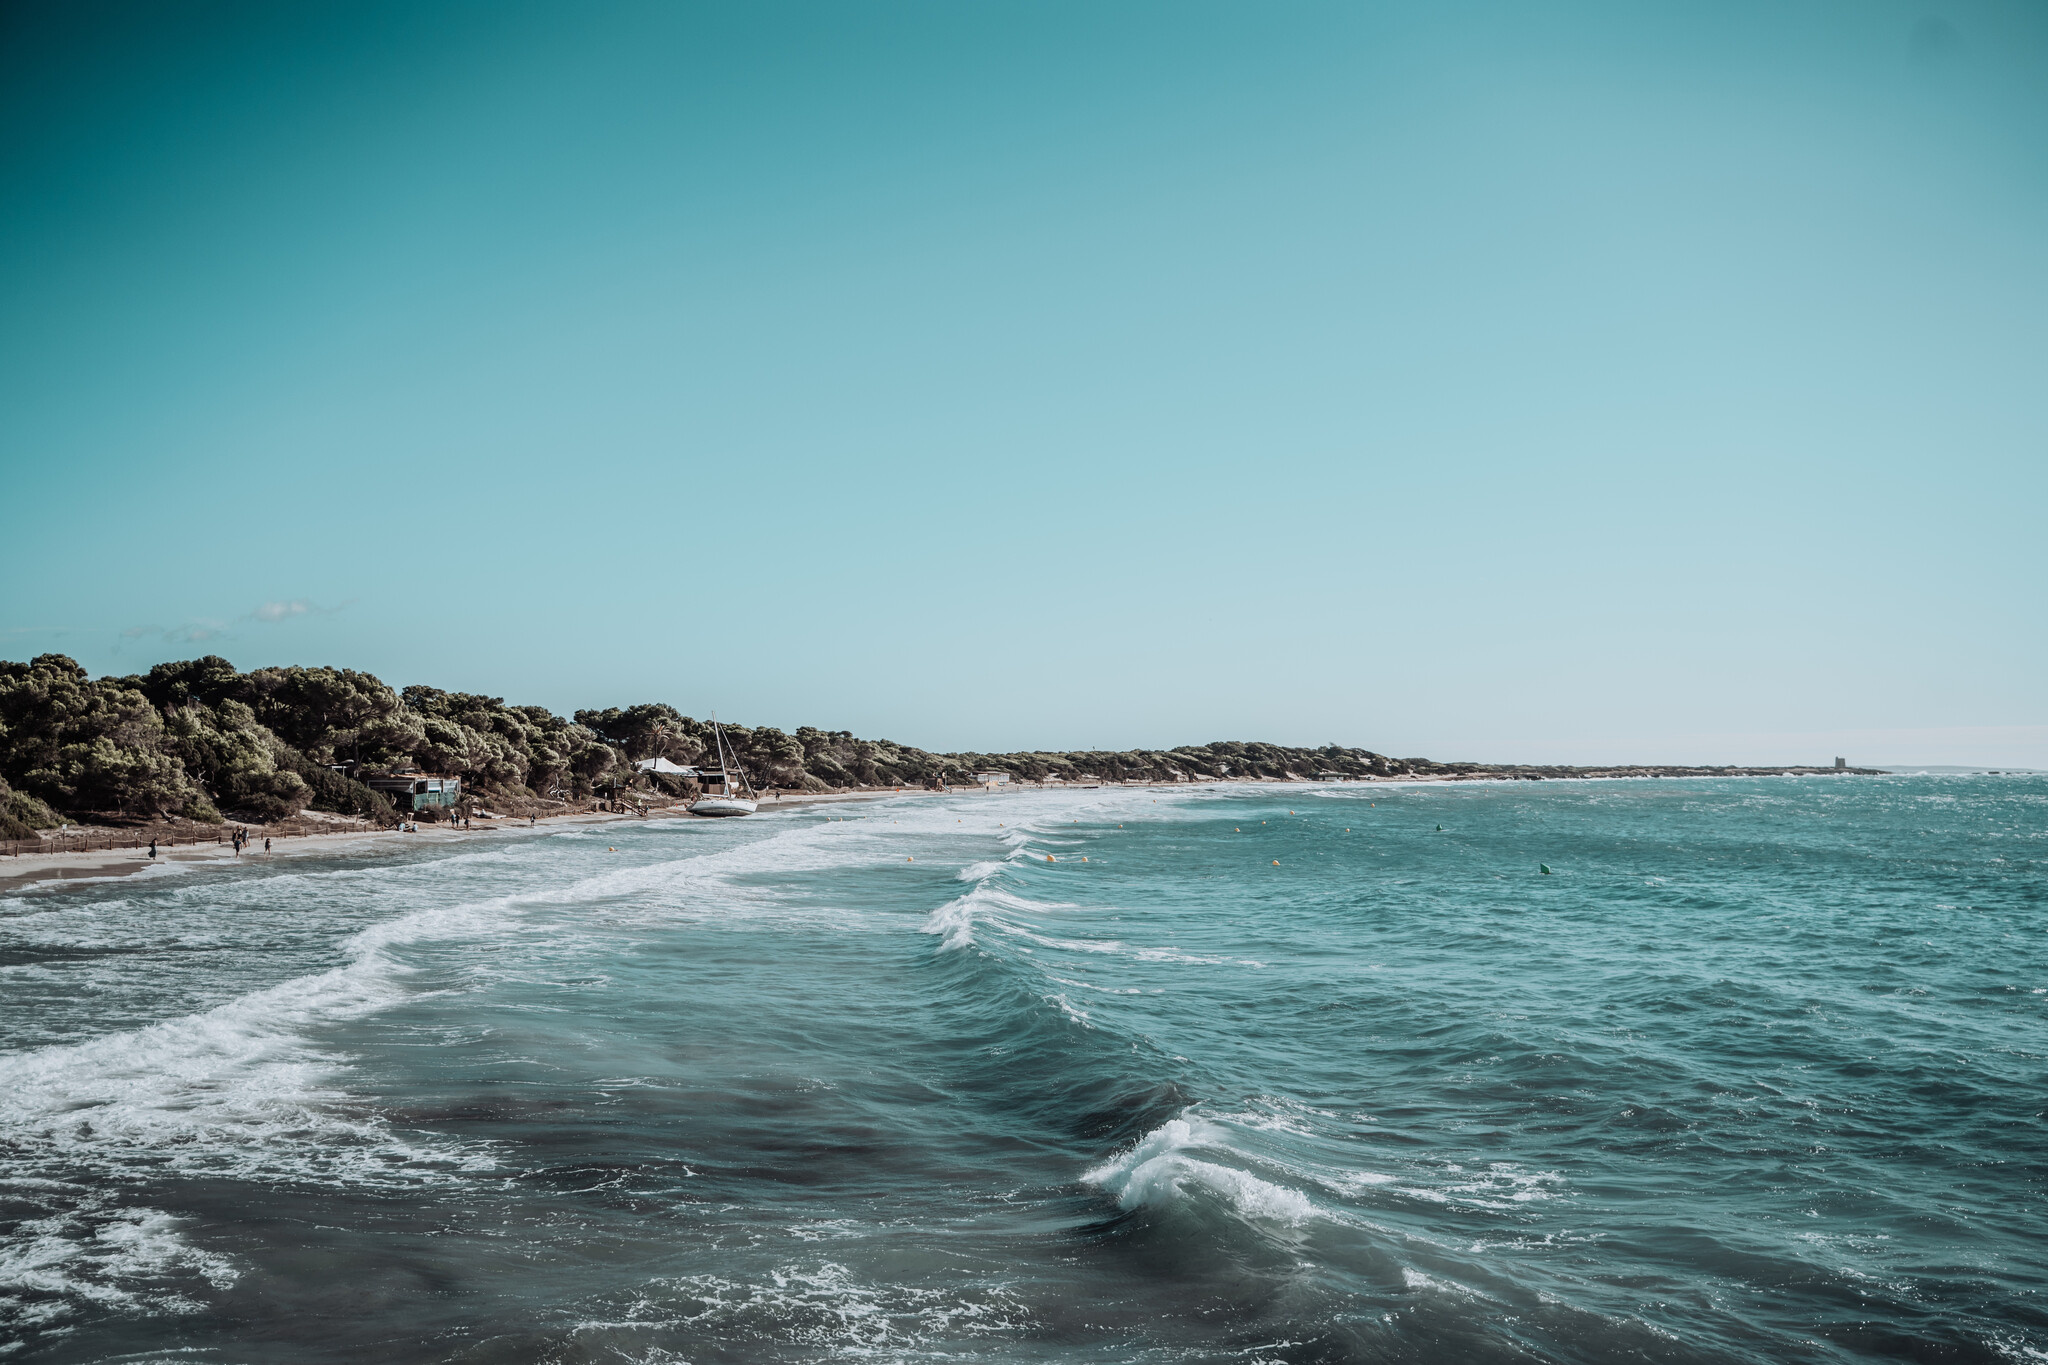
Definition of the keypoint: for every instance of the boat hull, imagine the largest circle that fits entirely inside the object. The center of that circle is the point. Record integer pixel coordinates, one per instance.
(723, 805)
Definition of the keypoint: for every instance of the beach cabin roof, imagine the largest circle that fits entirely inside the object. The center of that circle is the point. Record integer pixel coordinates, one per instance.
(658, 764)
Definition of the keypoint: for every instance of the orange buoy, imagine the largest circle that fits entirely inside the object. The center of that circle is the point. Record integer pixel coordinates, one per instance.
(1276, 862)
(1049, 858)
(910, 860)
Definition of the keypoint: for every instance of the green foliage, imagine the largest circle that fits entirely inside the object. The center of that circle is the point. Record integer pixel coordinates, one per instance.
(23, 809)
(201, 810)
(196, 737)
(332, 791)
(240, 761)
(774, 759)
(333, 714)
(649, 730)
(21, 814)
(84, 745)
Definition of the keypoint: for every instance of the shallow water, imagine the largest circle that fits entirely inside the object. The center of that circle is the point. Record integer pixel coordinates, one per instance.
(1281, 1074)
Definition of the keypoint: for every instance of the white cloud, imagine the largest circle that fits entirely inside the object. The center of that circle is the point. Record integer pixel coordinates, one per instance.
(280, 611)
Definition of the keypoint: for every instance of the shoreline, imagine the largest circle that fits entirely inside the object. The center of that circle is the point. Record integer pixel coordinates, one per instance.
(32, 872)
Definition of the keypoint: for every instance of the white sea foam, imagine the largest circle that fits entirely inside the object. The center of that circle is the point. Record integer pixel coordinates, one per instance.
(1415, 1279)
(236, 1088)
(106, 1254)
(1070, 1009)
(1120, 948)
(955, 921)
(1161, 1169)
(1504, 1184)
(239, 1090)
(822, 1305)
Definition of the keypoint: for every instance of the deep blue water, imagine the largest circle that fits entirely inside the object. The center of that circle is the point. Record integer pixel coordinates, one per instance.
(1246, 1074)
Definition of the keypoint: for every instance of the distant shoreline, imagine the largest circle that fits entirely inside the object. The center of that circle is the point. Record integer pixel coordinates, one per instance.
(32, 871)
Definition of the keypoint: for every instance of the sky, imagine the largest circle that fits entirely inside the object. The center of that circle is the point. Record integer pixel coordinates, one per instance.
(1562, 383)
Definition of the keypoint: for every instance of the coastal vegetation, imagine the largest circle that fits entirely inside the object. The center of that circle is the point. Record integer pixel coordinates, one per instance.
(200, 740)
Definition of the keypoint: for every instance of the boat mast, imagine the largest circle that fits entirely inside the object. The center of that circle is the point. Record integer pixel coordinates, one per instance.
(724, 773)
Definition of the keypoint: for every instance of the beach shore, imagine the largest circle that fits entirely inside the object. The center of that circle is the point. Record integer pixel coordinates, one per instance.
(32, 871)
(42, 871)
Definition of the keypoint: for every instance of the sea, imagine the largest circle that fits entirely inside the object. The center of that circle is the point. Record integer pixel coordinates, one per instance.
(1695, 1070)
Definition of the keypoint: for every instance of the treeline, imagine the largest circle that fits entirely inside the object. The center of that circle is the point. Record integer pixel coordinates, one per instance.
(202, 741)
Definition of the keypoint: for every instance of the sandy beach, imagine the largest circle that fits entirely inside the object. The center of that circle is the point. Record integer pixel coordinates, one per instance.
(37, 871)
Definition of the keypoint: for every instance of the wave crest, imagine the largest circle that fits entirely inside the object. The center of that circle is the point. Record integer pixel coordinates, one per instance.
(1159, 1170)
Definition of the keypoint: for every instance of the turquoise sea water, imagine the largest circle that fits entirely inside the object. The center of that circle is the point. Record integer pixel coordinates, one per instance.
(1247, 1074)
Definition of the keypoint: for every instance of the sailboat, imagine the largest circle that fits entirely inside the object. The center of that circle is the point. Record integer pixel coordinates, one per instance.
(729, 799)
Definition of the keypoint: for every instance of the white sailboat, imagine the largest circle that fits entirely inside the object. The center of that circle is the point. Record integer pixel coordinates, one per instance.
(729, 799)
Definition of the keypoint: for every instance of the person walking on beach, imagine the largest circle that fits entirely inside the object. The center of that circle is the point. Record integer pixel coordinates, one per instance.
(152, 848)
(266, 845)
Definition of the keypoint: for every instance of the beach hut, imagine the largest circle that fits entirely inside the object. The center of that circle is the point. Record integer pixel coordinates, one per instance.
(418, 791)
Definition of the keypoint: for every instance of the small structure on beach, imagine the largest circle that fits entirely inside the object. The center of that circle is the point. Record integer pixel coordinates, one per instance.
(418, 791)
(658, 764)
(993, 779)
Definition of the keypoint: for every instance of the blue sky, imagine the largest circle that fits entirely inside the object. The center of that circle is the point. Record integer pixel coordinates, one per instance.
(1611, 381)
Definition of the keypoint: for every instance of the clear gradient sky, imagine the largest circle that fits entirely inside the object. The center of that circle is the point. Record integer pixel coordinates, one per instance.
(1561, 382)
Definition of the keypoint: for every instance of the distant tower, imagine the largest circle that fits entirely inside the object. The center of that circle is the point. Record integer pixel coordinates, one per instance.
(1839, 763)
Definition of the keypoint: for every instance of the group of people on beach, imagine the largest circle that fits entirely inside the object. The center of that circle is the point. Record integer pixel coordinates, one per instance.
(240, 839)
